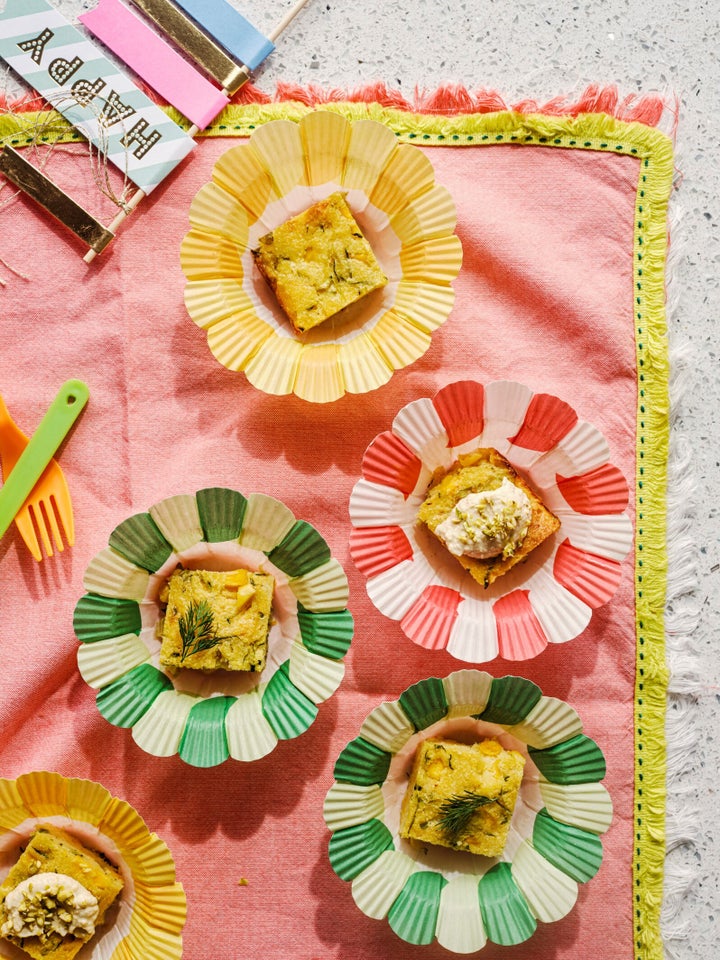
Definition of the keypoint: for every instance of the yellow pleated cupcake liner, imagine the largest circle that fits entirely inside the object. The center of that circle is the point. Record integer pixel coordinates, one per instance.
(284, 168)
(152, 906)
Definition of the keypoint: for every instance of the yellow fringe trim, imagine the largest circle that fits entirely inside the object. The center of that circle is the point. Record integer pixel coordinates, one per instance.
(652, 439)
(654, 152)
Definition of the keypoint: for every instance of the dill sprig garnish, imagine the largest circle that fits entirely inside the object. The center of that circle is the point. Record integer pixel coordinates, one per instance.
(457, 812)
(197, 629)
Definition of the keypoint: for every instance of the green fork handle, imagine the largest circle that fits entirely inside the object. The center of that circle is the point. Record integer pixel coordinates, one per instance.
(51, 431)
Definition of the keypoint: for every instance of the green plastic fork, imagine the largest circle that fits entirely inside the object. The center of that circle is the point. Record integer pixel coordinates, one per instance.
(35, 492)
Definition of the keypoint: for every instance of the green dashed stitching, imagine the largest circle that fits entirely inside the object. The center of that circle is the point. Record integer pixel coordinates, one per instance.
(640, 353)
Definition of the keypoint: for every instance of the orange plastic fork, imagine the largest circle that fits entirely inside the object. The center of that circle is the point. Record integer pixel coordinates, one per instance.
(48, 507)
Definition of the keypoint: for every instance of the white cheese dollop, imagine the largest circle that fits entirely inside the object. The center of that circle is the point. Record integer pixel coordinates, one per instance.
(49, 903)
(487, 524)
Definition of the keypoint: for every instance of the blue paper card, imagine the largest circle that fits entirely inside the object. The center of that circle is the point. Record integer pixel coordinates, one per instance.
(230, 29)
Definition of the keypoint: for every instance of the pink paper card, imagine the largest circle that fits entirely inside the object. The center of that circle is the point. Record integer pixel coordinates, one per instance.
(155, 61)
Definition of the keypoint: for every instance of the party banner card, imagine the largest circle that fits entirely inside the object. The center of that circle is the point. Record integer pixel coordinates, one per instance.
(55, 59)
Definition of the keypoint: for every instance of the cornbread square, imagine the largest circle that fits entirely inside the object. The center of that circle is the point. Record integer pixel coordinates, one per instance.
(484, 469)
(217, 620)
(462, 795)
(52, 850)
(318, 263)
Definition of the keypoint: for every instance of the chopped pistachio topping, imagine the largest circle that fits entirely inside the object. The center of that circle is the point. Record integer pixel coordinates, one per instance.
(489, 523)
(47, 904)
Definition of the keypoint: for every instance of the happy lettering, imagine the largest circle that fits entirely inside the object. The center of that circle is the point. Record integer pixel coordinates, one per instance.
(140, 138)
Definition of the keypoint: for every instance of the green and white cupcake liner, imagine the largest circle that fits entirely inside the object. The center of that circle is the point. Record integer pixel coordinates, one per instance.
(208, 718)
(460, 900)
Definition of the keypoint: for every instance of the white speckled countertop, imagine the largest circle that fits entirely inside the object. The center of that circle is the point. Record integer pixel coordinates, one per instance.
(537, 50)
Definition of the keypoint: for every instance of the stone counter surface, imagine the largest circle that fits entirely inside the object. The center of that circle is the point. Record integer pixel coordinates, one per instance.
(537, 50)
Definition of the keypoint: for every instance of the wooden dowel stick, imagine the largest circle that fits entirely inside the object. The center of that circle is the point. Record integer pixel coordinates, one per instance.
(124, 213)
(288, 18)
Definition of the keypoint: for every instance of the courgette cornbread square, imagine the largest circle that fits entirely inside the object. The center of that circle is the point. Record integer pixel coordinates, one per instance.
(484, 470)
(51, 850)
(318, 263)
(216, 620)
(462, 795)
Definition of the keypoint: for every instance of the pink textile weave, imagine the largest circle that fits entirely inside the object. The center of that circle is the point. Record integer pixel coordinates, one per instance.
(544, 297)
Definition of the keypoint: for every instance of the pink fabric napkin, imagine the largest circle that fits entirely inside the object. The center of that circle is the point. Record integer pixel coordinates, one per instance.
(545, 297)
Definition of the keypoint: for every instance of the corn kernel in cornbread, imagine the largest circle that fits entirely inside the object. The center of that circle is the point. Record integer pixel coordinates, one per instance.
(477, 472)
(462, 795)
(53, 851)
(217, 620)
(318, 263)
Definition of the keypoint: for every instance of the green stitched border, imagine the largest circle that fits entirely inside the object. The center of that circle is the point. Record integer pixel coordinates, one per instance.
(652, 439)
(655, 155)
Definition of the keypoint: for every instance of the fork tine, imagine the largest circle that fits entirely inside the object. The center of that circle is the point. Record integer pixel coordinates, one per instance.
(52, 518)
(48, 512)
(63, 507)
(25, 527)
(41, 527)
